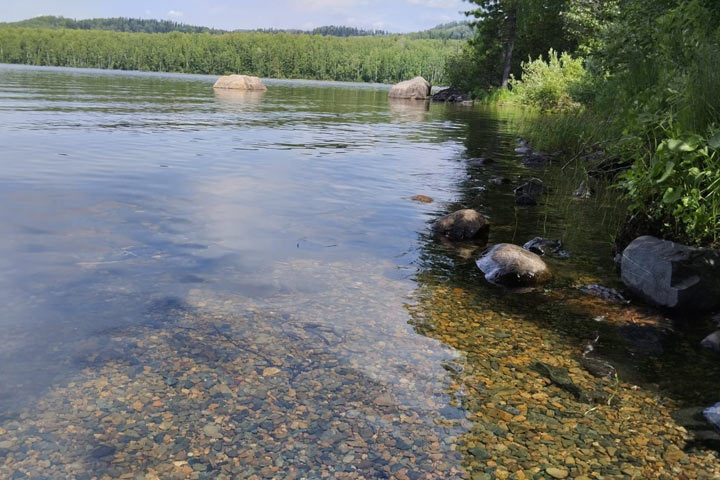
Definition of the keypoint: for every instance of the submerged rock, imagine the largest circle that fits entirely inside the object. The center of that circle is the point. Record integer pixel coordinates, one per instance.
(712, 341)
(464, 224)
(512, 266)
(543, 246)
(523, 148)
(533, 187)
(583, 191)
(452, 94)
(672, 275)
(499, 181)
(712, 414)
(102, 451)
(421, 199)
(603, 292)
(560, 377)
(480, 162)
(240, 82)
(536, 159)
(417, 89)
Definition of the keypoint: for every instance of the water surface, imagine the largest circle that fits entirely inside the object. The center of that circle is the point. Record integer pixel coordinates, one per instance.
(202, 284)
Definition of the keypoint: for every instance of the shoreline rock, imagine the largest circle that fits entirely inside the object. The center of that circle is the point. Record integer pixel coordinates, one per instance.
(672, 275)
(240, 82)
(451, 95)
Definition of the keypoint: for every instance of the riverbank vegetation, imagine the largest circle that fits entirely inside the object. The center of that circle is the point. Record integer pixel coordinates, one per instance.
(633, 82)
(382, 59)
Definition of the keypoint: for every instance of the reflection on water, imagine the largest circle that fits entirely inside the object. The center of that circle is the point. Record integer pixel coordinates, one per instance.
(210, 284)
(238, 98)
(407, 110)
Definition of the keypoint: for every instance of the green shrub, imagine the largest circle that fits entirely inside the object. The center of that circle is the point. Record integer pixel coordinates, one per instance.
(677, 184)
(550, 85)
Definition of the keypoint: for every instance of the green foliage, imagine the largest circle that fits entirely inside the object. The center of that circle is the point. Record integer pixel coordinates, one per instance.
(677, 184)
(649, 96)
(385, 59)
(550, 85)
(538, 27)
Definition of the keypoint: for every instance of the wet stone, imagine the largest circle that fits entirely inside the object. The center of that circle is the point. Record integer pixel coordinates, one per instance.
(102, 451)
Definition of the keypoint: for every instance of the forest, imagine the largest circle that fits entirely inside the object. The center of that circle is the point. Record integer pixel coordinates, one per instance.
(445, 31)
(632, 83)
(382, 59)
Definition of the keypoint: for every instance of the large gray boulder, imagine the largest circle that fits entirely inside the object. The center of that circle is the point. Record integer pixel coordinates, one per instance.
(512, 266)
(462, 225)
(240, 82)
(416, 89)
(672, 275)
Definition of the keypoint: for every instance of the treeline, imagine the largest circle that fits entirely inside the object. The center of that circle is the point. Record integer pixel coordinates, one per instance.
(447, 31)
(115, 24)
(384, 59)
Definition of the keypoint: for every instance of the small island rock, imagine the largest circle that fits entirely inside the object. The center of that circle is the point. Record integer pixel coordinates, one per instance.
(417, 89)
(240, 82)
(462, 225)
(512, 266)
(671, 275)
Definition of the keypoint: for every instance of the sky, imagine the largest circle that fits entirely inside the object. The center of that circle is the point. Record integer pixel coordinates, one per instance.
(390, 15)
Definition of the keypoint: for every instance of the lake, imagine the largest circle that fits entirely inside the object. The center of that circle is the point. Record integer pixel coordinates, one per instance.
(219, 284)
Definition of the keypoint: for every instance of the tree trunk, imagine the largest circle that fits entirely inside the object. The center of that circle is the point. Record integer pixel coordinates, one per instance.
(511, 30)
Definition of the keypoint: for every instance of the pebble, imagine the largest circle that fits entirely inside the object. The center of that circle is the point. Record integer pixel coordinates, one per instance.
(556, 472)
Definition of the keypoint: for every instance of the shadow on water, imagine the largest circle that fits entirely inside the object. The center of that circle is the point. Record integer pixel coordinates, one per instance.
(661, 367)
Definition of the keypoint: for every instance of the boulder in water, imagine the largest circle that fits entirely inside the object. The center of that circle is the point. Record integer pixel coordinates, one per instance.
(543, 246)
(240, 82)
(465, 224)
(416, 89)
(512, 266)
(671, 275)
(452, 94)
(529, 192)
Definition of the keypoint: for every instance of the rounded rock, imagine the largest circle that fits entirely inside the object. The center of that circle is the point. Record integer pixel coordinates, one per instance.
(512, 266)
(464, 224)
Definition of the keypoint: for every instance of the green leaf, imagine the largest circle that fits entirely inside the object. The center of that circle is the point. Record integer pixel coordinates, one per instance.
(671, 195)
(669, 168)
(677, 145)
(714, 141)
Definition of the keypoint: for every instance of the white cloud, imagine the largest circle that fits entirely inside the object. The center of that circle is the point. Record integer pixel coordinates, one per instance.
(174, 14)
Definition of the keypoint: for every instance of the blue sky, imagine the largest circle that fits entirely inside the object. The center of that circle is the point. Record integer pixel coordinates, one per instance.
(392, 15)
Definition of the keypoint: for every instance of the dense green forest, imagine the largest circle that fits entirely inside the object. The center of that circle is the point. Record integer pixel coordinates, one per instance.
(635, 83)
(117, 24)
(384, 59)
(446, 31)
